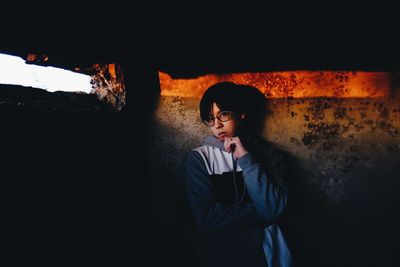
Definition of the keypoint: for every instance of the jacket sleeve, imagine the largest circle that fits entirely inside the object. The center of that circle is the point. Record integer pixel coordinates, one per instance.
(268, 195)
(209, 214)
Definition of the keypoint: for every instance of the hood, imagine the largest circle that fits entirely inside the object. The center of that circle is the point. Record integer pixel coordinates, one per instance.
(212, 140)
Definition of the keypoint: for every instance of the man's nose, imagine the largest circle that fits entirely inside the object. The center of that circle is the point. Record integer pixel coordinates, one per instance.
(218, 124)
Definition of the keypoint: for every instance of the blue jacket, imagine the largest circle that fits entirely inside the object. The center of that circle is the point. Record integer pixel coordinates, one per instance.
(235, 205)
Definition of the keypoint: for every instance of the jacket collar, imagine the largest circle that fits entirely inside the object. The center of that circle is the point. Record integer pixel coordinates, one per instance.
(211, 140)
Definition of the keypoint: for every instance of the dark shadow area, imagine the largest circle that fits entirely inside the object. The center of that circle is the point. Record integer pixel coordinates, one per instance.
(361, 232)
(313, 231)
(74, 177)
(68, 189)
(19, 99)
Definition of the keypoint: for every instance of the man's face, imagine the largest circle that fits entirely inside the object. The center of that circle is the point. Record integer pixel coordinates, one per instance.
(223, 129)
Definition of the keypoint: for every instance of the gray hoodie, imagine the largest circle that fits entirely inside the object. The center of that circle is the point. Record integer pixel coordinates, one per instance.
(236, 204)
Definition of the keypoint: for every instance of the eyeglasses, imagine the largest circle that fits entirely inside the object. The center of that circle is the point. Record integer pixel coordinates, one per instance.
(222, 116)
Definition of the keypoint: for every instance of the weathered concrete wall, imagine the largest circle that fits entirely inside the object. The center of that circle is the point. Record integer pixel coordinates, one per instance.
(332, 138)
(344, 155)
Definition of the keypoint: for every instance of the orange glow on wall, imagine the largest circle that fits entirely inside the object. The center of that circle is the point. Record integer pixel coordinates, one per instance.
(288, 84)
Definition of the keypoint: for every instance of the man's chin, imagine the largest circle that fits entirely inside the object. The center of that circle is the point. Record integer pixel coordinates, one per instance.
(222, 137)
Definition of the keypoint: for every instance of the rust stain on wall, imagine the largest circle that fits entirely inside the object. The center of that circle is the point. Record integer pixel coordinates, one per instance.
(108, 84)
(295, 84)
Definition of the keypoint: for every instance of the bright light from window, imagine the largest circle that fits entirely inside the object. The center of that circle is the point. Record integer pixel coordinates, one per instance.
(14, 71)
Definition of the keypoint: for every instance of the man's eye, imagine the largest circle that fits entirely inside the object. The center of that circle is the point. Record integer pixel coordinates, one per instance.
(224, 114)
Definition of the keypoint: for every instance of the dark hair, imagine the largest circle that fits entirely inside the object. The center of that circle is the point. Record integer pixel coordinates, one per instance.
(241, 99)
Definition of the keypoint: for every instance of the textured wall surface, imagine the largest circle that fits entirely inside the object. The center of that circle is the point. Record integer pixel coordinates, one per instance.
(284, 84)
(344, 157)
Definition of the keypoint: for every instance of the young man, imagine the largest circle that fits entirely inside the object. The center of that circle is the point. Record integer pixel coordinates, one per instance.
(235, 183)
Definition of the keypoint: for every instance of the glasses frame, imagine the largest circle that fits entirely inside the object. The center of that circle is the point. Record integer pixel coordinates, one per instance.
(211, 121)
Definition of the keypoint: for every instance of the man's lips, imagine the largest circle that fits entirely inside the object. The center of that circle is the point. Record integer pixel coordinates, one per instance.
(222, 134)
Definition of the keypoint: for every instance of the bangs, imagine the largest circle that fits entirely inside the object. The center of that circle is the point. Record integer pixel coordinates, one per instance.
(224, 95)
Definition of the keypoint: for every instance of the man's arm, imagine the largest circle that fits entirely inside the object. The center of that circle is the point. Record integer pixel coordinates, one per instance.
(269, 196)
(209, 214)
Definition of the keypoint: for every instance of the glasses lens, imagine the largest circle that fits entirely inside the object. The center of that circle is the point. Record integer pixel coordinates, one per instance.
(224, 116)
(209, 122)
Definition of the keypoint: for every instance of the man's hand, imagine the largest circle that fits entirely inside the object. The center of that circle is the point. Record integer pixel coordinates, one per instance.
(235, 146)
